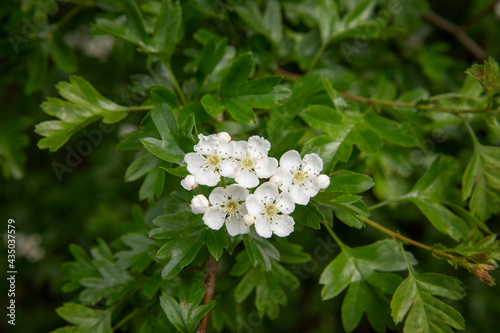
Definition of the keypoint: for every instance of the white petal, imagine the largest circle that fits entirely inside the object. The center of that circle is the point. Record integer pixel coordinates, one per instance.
(286, 178)
(266, 167)
(276, 180)
(206, 144)
(199, 204)
(235, 225)
(311, 186)
(258, 145)
(215, 217)
(218, 196)
(266, 192)
(299, 195)
(225, 150)
(312, 163)
(195, 162)
(239, 149)
(290, 160)
(254, 205)
(189, 182)
(237, 192)
(282, 225)
(246, 179)
(208, 177)
(324, 182)
(263, 227)
(228, 168)
(285, 203)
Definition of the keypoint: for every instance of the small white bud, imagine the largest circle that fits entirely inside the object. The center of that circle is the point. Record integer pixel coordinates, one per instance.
(324, 181)
(199, 204)
(224, 137)
(249, 219)
(189, 182)
(276, 180)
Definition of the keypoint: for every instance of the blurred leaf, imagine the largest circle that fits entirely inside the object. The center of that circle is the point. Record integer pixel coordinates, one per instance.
(260, 251)
(487, 74)
(239, 96)
(62, 55)
(138, 257)
(167, 27)
(12, 143)
(84, 318)
(269, 24)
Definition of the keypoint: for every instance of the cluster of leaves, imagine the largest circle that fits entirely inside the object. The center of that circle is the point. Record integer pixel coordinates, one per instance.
(224, 78)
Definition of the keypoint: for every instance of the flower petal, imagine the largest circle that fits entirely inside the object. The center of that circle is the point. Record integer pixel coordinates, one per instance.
(228, 168)
(290, 160)
(225, 149)
(208, 177)
(258, 146)
(266, 167)
(299, 195)
(253, 205)
(237, 192)
(263, 227)
(218, 196)
(246, 179)
(206, 144)
(312, 163)
(266, 192)
(282, 225)
(215, 217)
(285, 203)
(239, 149)
(195, 162)
(236, 226)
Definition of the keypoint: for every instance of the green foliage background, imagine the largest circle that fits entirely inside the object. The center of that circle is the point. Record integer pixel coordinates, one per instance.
(408, 59)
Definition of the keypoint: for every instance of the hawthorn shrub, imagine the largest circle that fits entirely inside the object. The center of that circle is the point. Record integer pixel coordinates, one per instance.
(303, 166)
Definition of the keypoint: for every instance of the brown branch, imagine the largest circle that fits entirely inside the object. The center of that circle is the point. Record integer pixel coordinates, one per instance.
(456, 31)
(488, 10)
(209, 291)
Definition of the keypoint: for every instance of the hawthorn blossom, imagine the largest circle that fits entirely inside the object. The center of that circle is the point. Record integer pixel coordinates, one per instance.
(252, 161)
(228, 206)
(213, 158)
(301, 177)
(199, 204)
(270, 210)
(189, 183)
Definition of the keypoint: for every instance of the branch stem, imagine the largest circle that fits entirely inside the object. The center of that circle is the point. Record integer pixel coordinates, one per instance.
(209, 291)
(127, 318)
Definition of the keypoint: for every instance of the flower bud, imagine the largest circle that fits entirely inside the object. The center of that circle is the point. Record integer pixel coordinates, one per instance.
(276, 180)
(199, 204)
(189, 182)
(249, 219)
(324, 181)
(224, 137)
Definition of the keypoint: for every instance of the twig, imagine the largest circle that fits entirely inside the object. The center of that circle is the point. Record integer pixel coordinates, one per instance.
(209, 291)
(479, 16)
(456, 31)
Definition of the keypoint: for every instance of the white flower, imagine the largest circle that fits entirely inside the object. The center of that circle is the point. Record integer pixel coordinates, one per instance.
(324, 182)
(223, 137)
(211, 159)
(189, 182)
(199, 204)
(271, 209)
(300, 177)
(249, 219)
(252, 161)
(228, 206)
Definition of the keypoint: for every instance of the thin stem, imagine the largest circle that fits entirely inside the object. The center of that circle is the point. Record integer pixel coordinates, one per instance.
(139, 108)
(332, 233)
(408, 263)
(397, 236)
(209, 291)
(471, 132)
(289, 75)
(381, 204)
(315, 59)
(176, 84)
(127, 318)
(66, 18)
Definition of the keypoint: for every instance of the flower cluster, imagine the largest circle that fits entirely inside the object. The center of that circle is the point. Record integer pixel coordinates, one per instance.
(291, 181)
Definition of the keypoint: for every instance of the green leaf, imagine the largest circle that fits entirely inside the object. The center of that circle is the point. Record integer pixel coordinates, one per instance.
(143, 164)
(166, 150)
(349, 208)
(137, 258)
(348, 181)
(365, 271)
(425, 313)
(291, 253)
(487, 74)
(167, 27)
(239, 96)
(481, 181)
(216, 241)
(153, 184)
(260, 251)
(135, 21)
(84, 318)
(175, 225)
(62, 55)
(12, 143)
(269, 24)
(83, 106)
(186, 314)
(309, 216)
(179, 253)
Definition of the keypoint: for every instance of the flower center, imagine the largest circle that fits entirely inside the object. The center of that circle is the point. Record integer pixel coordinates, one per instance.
(247, 163)
(299, 177)
(213, 161)
(270, 210)
(232, 206)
